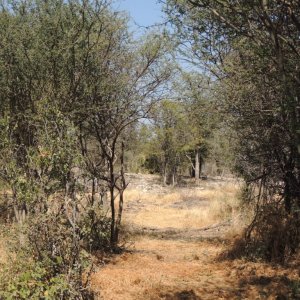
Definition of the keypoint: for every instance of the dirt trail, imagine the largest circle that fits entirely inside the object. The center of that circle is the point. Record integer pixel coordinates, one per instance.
(175, 262)
(160, 269)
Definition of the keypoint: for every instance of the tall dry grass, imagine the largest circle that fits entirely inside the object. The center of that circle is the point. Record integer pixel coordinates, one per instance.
(182, 208)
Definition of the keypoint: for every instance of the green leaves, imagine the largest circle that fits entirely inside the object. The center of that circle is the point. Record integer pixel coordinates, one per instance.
(34, 284)
(71, 81)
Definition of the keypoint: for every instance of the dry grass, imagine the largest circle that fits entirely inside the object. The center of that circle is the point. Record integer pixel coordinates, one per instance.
(135, 276)
(183, 208)
(159, 269)
(155, 269)
(3, 252)
(177, 269)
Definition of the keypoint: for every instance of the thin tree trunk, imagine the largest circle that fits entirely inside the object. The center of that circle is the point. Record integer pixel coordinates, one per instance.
(165, 175)
(112, 205)
(93, 191)
(121, 196)
(197, 165)
(174, 179)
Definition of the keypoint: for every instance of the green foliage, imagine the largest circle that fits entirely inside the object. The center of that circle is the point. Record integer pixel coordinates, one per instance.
(178, 129)
(48, 264)
(171, 138)
(251, 49)
(295, 287)
(34, 283)
(152, 164)
(25, 276)
(95, 230)
(71, 81)
(51, 61)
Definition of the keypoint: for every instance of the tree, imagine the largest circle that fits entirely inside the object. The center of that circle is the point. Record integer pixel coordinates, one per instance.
(44, 63)
(252, 47)
(72, 80)
(194, 90)
(172, 138)
(128, 90)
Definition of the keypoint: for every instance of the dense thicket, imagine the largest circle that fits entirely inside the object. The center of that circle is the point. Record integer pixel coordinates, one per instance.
(252, 49)
(71, 81)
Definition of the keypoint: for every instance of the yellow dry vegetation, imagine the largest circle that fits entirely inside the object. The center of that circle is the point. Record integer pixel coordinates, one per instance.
(183, 208)
(166, 269)
(171, 268)
(3, 252)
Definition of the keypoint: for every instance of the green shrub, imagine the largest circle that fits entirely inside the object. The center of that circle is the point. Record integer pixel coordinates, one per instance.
(95, 230)
(49, 265)
(33, 283)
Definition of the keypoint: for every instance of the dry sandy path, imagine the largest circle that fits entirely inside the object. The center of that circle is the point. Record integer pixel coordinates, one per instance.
(168, 261)
(168, 269)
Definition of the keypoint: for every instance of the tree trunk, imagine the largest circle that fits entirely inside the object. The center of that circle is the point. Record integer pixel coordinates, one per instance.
(174, 177)
(93, 191)
(165, 174)
(112, 204)
(197, 165)
(121, 196)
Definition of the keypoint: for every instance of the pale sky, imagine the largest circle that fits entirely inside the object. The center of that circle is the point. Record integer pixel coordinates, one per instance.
(143, 12)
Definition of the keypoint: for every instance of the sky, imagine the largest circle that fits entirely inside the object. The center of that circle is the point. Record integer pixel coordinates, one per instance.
(143, 12)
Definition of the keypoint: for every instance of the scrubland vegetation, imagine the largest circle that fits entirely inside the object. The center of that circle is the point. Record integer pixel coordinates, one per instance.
(127, 175)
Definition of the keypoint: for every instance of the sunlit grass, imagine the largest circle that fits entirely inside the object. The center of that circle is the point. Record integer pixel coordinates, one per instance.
(183, 208)
(157, 267)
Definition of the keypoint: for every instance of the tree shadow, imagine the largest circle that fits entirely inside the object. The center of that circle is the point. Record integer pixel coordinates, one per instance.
(182, 295)
(285, 288)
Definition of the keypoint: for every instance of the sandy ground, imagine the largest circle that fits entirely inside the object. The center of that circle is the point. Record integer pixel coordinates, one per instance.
(175, 246)
(160, 269)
